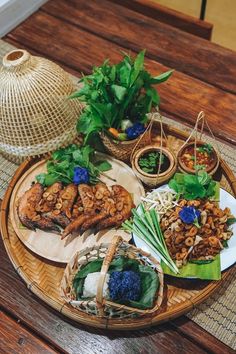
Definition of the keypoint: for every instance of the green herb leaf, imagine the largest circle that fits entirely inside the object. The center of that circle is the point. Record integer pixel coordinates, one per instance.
(193, 186)
(138, 66)
(208, 148)
(152, 92)
(149, 163)
(41, 178)
(196, 223)
(161, 78)
(119, 91)
(201, 261)
(225, 243)
(103, 166)
(50, 179)
(231, 221)
(60, 168)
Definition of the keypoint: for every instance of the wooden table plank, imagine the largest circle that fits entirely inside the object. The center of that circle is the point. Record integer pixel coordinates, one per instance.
(16, 339)
(182, 97)
(170, 46)
(194, 332)
(65, 335)
(185, 22)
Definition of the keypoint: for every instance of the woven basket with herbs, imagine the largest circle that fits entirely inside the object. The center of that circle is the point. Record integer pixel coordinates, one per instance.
(117, 99)
(122, 150)
(126, 281)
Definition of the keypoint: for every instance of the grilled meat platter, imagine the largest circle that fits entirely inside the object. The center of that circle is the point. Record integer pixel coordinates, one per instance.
(74, 209)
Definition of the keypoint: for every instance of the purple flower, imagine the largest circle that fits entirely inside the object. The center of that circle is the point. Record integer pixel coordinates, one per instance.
(134, 131)
(81, 175)
(189, 215)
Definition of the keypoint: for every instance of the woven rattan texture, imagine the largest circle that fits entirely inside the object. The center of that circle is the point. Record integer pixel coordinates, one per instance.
(217, 314)
(36, 115)
(107, 252)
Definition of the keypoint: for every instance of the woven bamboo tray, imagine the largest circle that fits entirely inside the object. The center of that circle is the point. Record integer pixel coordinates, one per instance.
(43, 277)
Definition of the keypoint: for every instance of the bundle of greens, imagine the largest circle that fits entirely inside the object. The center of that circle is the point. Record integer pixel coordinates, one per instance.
(191, 187)
(122, 285)
(146, 226)
(64, 164)
(117, 94)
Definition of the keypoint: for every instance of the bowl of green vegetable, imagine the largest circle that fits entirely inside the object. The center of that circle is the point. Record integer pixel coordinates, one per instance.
(154, 164)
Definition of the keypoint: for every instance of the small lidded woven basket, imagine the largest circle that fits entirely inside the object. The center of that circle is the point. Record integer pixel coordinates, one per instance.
(36, 115)
(100, 306)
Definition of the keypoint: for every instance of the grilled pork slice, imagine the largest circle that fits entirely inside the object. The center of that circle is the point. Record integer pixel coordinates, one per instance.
(49, 198)
(96, 204)
(63, 207)
(87, 196)
(77, 209)
(104, 204)
(75, 225)
(27, 210)
(123, 205)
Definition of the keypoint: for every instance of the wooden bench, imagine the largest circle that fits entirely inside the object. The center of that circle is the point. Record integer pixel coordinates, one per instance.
(171, 17)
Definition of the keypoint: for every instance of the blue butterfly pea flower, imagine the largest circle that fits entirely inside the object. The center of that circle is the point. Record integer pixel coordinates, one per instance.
(81, 175)
(136, 130)
(189, 215)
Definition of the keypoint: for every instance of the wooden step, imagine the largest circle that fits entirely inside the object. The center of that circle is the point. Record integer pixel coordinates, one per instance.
(169, 16)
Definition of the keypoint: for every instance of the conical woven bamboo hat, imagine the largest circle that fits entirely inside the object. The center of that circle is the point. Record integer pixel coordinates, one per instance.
(36, 115)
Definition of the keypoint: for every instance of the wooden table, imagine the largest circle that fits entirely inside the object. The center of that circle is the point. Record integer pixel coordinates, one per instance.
(78, 35)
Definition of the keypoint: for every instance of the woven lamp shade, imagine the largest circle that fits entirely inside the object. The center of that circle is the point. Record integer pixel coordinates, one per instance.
(36, 115)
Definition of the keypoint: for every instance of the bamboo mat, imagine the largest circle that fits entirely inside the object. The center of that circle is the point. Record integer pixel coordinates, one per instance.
(217, 314)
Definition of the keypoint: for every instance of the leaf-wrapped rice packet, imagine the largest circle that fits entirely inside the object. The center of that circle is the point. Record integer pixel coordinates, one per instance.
(113, 280)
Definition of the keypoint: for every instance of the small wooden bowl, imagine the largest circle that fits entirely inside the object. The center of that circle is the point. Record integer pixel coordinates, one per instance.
(152, 180)
(210, 170)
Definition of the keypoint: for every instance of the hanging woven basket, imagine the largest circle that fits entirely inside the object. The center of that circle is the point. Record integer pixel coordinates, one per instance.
(36, 115)
(162, 171)
(99, 305)
(187, 155)
(153, 180)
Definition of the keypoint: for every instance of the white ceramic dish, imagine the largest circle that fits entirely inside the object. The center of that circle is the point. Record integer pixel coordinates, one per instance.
(228, 255)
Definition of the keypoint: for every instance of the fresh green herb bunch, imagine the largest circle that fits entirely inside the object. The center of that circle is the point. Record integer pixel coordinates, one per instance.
(148, 164)
(60, 168)
(114, 93)
(192, 187)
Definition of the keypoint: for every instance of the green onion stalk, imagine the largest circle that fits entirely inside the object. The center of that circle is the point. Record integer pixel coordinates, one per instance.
(146, 225)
